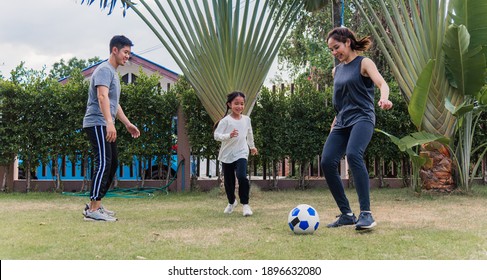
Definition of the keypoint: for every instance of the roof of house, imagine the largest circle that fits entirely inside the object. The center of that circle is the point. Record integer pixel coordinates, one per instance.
(138, 60)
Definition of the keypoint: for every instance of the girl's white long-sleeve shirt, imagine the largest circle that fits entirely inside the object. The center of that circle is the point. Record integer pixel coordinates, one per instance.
(235, 148)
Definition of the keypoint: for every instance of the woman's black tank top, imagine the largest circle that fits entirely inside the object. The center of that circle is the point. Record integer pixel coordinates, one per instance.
(353, 94)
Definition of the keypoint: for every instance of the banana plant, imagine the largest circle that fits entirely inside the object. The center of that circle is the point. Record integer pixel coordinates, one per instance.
(408, 144)
(435, 50)
(220, 45)
(468, 116)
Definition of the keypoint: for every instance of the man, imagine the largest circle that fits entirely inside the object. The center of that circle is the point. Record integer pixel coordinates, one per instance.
(99, 123)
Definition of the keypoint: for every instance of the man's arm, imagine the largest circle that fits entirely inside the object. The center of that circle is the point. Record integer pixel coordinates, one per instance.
(134, 131)
(104, 102)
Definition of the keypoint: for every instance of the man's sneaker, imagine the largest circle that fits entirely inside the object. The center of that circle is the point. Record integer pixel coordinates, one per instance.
(365, 221)
(343, 220)
(246, 210)
(230, 207)
(106, 211)
(87, 207)
(98, 215)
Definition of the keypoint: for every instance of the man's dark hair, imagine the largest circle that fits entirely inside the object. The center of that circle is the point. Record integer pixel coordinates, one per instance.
(120, 41)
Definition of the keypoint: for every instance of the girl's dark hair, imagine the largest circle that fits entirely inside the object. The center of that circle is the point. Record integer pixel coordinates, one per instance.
(230, 98)
(341, 34)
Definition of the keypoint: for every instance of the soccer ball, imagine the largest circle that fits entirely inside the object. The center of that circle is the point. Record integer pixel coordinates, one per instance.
(303, 219)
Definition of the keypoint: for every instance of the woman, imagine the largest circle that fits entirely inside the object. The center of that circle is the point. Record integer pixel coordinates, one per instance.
(353, 126)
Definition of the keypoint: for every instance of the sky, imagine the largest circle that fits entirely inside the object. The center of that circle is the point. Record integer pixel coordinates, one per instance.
(42, 32)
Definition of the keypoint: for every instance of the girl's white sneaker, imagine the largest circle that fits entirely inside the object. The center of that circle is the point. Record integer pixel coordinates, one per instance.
(230, 207)
(246, 210)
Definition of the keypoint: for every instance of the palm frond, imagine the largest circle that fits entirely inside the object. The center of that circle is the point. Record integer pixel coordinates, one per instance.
(220, 45)
(412, 36)
(110, 5)
(419, 100)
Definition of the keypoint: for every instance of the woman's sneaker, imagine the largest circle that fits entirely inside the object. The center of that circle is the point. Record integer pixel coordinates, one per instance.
(365, 221)
(230, 207)
(343, 220)
(98, 215)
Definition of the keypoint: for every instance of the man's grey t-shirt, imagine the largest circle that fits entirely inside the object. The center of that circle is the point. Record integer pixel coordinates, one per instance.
(104, 75)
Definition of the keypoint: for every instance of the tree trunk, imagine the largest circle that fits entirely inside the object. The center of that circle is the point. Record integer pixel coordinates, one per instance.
(378, 168)
(406, 172)
(27, 174)
(57, 174)
(437, 173)
(142, 172)
(169, 164)
(84, 185)
(303, 167)
(484, 168)
(4, 187)
(274, 175)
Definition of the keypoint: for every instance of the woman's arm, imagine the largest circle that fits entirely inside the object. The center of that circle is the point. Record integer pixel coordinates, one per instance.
(369, 69)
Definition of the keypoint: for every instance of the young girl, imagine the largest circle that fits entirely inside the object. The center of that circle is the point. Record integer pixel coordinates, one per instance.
(353, 126)
(235, 133)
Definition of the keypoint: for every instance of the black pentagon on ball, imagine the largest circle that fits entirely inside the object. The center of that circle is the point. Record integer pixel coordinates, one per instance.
(295, 221)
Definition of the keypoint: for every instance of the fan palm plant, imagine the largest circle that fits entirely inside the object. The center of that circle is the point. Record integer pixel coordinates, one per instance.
(220, 45)
(436, 50)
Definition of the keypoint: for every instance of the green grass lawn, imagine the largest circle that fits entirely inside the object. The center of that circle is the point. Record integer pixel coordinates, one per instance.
(193, 226)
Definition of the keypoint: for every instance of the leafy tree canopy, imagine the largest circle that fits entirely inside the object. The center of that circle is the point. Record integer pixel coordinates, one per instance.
(305, 49)
(62, 68)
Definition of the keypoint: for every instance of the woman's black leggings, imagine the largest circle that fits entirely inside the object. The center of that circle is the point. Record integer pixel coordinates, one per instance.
(351, 141)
